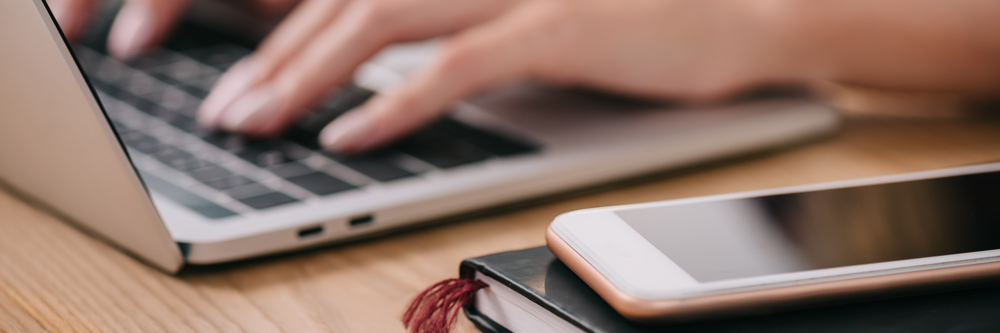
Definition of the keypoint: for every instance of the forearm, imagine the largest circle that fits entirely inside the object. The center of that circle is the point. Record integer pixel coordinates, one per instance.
(920, 45)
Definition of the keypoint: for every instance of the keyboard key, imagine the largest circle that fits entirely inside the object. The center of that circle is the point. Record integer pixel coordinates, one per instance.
(223, 140)
(163, 114)
(176, 99)
(193, 87)
(157, 59)
(440, 149)
(194, 91)
(186, 71)
(248, 190)
(304, 138)
(139, 103)
(143, 143)
(376, 166)
(225, 67)
(171, 156)
(261, 156)
(87, 57)
(293, 152)
(229, 182)
(123, 95)
(141, 84)
(320, 183)
(268, 200)
(166, 78)
(185, 123)
(190, 110)
(147, 146)
(348, 98)
(269, 153)
(289, 170)
(180, 160)
(108, 89)
(111, 70)
(188, 164)
(187, 199)
(121, 128)
(210, 172)
(206, 83)
(189, 37)
(495, 143)
(133, 136)
(219, 55)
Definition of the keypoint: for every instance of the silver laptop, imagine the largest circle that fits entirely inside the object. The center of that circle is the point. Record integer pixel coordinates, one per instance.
(113, 147)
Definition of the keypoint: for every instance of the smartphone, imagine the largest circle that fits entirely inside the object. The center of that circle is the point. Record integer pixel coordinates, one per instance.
(770, 250)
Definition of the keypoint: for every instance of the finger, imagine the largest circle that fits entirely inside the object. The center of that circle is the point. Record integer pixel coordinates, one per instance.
(301, 26)
(482, 57)
(359, 30)
(72, 15)
(305, 76)
(140, 24)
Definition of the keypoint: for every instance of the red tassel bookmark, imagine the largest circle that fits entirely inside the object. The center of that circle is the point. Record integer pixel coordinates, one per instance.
(434, 310)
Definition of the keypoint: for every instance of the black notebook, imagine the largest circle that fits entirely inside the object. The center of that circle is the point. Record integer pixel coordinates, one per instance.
(532, 291)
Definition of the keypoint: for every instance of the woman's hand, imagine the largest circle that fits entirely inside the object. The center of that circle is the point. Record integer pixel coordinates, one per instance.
(658, 48)
(682, 49)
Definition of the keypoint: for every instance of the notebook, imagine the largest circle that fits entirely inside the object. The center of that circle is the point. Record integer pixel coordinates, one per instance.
(532, 291)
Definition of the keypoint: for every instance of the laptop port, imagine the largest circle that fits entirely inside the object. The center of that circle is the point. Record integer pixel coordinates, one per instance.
(308, 232)
(361, 220)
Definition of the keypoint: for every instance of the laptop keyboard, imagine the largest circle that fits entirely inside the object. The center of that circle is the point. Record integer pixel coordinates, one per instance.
(152, 103)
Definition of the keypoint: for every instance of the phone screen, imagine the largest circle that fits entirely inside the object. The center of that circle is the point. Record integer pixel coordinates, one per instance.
(822, 229)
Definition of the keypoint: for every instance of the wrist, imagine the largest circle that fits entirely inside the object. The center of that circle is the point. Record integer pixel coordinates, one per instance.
(779, 42)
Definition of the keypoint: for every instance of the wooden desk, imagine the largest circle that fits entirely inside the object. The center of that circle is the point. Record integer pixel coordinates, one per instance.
(55, 278)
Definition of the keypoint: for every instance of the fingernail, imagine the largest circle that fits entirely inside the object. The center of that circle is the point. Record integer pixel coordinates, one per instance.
(131, 31)
(250, 111)
(231, 86)
(349, 133)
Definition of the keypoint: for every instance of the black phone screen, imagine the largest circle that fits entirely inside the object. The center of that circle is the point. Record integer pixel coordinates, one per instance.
(739, 238)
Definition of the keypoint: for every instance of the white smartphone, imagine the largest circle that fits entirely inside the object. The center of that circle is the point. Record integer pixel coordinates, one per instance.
(769, 250)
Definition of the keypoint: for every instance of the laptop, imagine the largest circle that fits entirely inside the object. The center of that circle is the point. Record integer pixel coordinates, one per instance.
(112, 146)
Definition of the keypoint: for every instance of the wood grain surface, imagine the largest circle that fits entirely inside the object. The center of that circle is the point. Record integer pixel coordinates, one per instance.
(55, 278)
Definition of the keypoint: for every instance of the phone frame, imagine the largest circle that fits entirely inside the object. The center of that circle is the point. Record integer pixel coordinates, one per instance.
(643, 284)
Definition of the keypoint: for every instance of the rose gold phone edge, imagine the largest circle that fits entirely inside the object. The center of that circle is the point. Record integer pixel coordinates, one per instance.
(769, 300)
